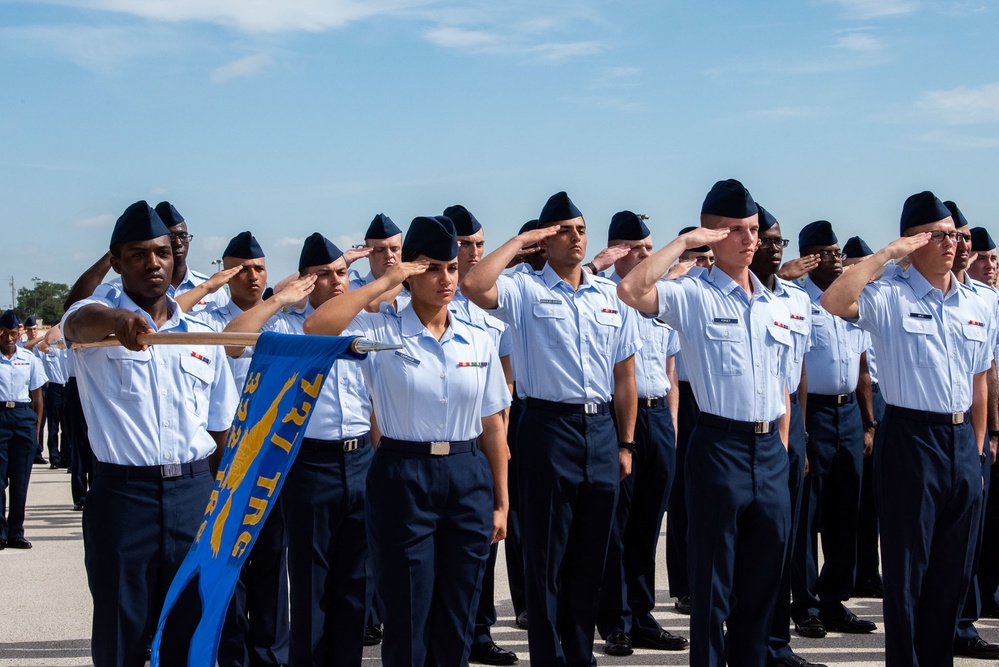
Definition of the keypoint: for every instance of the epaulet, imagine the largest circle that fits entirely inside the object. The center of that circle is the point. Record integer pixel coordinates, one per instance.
(791, 285)
(468, 322)
(599, 279)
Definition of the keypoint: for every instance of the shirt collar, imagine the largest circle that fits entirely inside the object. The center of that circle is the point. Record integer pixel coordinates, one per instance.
(727, 285)
(814, 293)
(921, 287)
(552, 279)
(412, 326)
(175, 317)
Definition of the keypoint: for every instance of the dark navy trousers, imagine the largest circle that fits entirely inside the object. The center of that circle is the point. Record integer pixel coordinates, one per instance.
(628, 595)
(513, 544)
(676, 506)
(136, 533)
(324, 511)
(17, 454)
(55, 421)
(430, 521)
(830, 503)
(868, 553)
(780, 631)
(569, 474)
(82, 465)
(988, 564)
(971, 611)
(739, 519)
(928, 490)
(256, 632)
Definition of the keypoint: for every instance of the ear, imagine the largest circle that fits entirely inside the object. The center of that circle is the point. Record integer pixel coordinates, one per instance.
(116, 264)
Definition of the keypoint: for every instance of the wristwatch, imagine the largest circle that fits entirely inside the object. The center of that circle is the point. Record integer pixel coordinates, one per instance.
(874, 423)
(592, 267)
(630, 446)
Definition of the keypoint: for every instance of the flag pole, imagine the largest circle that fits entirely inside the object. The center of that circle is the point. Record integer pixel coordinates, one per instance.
(231, 338)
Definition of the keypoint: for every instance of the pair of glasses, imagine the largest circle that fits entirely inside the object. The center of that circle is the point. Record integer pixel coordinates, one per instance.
(940, 237)
(183, 238)
(827, 255)
(773, 243)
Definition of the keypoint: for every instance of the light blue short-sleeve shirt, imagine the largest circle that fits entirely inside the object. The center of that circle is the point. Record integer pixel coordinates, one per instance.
(21, 374)
(833, 360)
(659, 343)
(800, 324)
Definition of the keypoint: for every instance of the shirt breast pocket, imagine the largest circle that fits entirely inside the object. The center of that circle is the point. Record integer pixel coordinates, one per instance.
(607, 327)
(726, 349)
(198, 378)
(552, 321)
(799, 337)
(127, 375)
(779, 347)
(917, 340)
(821, 332)
(974, 337)
(657, 336)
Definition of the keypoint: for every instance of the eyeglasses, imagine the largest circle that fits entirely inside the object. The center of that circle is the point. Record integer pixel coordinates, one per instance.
(939, 237)
(827, 255)
(183, 238)
(773, 243)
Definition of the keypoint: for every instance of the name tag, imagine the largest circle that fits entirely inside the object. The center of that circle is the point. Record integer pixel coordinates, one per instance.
(816, 311)
(553, 302)
(921, 316)
(408, 359)
(725, 320)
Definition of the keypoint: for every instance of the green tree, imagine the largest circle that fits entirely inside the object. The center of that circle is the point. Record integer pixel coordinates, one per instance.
(44, 301)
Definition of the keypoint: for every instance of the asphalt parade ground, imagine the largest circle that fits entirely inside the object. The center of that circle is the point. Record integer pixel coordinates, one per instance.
(45, 608)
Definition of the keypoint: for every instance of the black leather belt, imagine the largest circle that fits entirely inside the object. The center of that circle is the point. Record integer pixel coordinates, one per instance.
(165, 471)
(757, 428)
(345, 446)
(927, 417)
(876, 387)
(652, 402)
(794, 397)
(570, 408)
(14, 405)
(436, 448)
(832, 399)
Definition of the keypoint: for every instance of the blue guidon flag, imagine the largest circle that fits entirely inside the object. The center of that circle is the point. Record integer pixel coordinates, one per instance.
(281, 389)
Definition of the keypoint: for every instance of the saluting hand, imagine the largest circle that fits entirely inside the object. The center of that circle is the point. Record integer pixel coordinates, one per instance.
(296, 290)
(406, 270)
(796, 268)
(522, 256)
(900, 248)
(606, 257)
(704, 236)
(532, 236)
(680, 269)
(127, 328)
(215, 283)
(356, 253)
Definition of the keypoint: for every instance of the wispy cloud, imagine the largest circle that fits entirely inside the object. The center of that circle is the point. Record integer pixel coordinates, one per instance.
(860, 42)
(511, 43)
(242, 67)
(870, 9)
(949, 139)
(290, 242)
(102, 221)
(101, 48)
(616, 77)
(964, 105)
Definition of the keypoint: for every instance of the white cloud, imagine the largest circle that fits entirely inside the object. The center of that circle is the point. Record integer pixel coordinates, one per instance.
(242, 67)
(860, 42)
(964, 105)
(290, 242)
(101, 48)
(213, 244)
(459, 38)
(868, 9)
(102, 221)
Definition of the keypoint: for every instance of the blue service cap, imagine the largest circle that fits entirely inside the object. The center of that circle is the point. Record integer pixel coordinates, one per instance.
(244, 246)
(627, 226)
(9, 320)
(381, 227)
(856, 248)
(980, 240)
(318, 251)
(922, 208)
(819, 233)
(558, 208)
(528, 226)
(139, 222)
(464, 222)
(29, 321)
(700, 248)
(955, 212)
(434, 237)
(767, 220)
(729, 199)
(170, 216)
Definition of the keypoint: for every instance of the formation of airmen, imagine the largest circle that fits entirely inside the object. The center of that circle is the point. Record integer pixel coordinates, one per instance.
(560, 406)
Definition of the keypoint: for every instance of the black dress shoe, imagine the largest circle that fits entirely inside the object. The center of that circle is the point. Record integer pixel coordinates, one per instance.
(372, 635)
(990, 612)
(40, 460)
(976, 647)
(662, 641)
(77, 507)
(850, 624)
(18, 543)
(811, 628)
(491, 654)
(793, 660)
(683, 605)
(872, 589)
(3, 544)
(618, 643)
(53, 466)
(522, 620)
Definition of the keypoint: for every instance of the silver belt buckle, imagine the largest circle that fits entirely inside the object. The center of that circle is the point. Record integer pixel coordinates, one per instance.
(841, 398)
(10, 405)
(590, 409)
(169, 470)
(762, 428)
(350, 445)
(440, 448)
(957, 418)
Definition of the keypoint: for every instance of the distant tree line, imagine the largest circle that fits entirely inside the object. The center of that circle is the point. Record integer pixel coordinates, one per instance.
(43, 301)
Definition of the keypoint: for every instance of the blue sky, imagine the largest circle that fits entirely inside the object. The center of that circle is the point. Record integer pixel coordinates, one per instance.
(313, 115)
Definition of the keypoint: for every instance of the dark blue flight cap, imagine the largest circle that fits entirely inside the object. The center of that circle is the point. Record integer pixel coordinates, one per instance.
(729, 199)
(433, 237)
(767, 220)
(528, 226)
(955, 212)
(856, 248)
(923, 208)
(558, 208)
(464, 222)
(381, 227)
(627, 226)
(318, 251)
(29, 321)
(819, 233)
(168, 214)
(980, 240)
(244, 246)
(139, 222)
(9, 320)
(700, 248)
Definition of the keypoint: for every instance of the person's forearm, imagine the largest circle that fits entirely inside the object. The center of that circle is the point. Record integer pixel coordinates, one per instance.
(638, 288)
(38, 405)
(215, 458)
(192, 297)
(992, 381)
(979, 410)
(864, 395)
(803, 392)
(784, 422)
(492, 442)
(92, 323)
(86, 284)
(841, 297)
(673, 396)
(625, 399)
(331, 318)
(479, 284)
